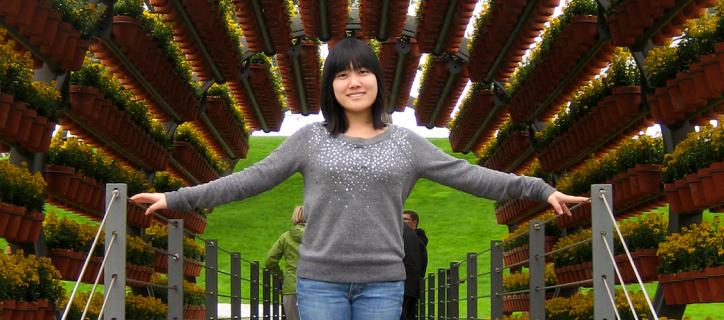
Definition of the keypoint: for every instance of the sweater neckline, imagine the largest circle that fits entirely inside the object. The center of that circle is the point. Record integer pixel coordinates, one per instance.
(369, 141)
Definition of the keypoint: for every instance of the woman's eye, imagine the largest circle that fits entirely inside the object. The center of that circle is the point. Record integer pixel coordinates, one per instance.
(341, 75)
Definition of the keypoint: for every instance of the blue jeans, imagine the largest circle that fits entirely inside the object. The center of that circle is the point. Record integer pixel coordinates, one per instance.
(319, 300)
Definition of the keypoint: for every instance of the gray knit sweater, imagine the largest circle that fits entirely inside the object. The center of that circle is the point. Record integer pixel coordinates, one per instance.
(354, 190)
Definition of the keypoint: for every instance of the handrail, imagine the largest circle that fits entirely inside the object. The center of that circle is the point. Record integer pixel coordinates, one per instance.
(115, 195)
(98, 276)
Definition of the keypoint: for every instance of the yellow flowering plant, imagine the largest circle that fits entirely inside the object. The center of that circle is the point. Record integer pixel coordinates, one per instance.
(574, 254)
(20, 187)
(189, 133)
(642, 232)
(695, 248)
(520, 280)
(145, 308)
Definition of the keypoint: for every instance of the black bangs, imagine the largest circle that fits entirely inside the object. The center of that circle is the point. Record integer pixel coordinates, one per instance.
(356, 53)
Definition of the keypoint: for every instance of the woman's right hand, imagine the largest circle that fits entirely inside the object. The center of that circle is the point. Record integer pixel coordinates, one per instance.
(157, 201)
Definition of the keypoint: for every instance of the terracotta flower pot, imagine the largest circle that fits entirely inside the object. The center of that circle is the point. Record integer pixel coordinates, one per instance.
(687, 203)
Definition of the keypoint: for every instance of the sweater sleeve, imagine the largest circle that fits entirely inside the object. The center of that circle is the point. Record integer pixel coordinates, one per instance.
(284, 161)
(433, 164)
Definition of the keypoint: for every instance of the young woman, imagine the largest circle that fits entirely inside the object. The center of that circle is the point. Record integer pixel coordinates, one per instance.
(287, 247)
(358, 171)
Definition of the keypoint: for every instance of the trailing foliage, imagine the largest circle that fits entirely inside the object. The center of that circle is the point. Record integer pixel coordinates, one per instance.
(698, 150)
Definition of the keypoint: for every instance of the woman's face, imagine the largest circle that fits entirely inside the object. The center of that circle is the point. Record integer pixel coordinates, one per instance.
(355, 89)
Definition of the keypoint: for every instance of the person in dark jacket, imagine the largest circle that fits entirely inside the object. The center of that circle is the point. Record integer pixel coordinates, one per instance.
(413, 220)
(287, 246)
(413, 266)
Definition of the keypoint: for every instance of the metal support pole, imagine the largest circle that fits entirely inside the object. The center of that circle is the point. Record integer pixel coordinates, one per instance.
(537, 265)
(276, 296)
(266, 293)
(453, 295)
(254, 292)
(496, 280)
(602, 265)
(176, 269)
(441, 277)
(235, 285)
(472, 289)
(116, 264)
(212, 279)
(431, 296)
(421, 303)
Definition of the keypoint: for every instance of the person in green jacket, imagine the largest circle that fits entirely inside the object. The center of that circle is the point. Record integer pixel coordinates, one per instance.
(287, 246)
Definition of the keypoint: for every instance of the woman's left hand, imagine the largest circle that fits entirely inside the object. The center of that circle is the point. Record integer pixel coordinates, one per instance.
(558, 201)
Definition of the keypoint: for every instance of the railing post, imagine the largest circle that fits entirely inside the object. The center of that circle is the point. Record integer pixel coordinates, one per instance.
(537, 265)
(266, 293)
(212, 279)
(176, 269)
(254, 292)
(431, 296)
(602, 264)
(472, 289)
(453, 281)
(116, 262)
(235, 286)
(496, 280)
(421, 302)
(276, 295)
(441, 277)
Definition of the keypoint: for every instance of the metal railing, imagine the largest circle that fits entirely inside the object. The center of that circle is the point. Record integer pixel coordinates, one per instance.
(439, 291)
(258, 278)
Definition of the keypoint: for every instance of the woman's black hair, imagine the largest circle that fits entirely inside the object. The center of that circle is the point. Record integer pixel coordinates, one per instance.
(354, 52)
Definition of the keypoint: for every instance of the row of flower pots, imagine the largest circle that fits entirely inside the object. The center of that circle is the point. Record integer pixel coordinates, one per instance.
(690, 91)
(276, 20)
(194, 312)
(153, 64)
(646, 263)
(643, 181)
(476, 107)
(389, 57)
(43, 27)
(431, 24)
(499, 23)
(369, 15)
(520, 254)
(261, 80)
(630, 19)
(21, 125)
(17, 224)
(515, 210)
(193, 221)
(704, 286)
(510, 149)
(434, 77)
(27, 310)
(309, 62)
(113, 124)
(192, 268)
(209, 25)
(72, 189)
(192, 160)
(697, 191)
(336, 18)
(519, 302)
(69, 263)
(574, 41)
(612, 115)
(226, 125)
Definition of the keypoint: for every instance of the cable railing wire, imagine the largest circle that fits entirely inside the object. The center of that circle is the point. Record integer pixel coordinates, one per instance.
(628, 255)
(114, 195)
(620, 278)
(610, 297)
(567, 284)
(482, 252)
(98, 276)
(563, 248)
(510, 293)
(105, 300)
(540, 223)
